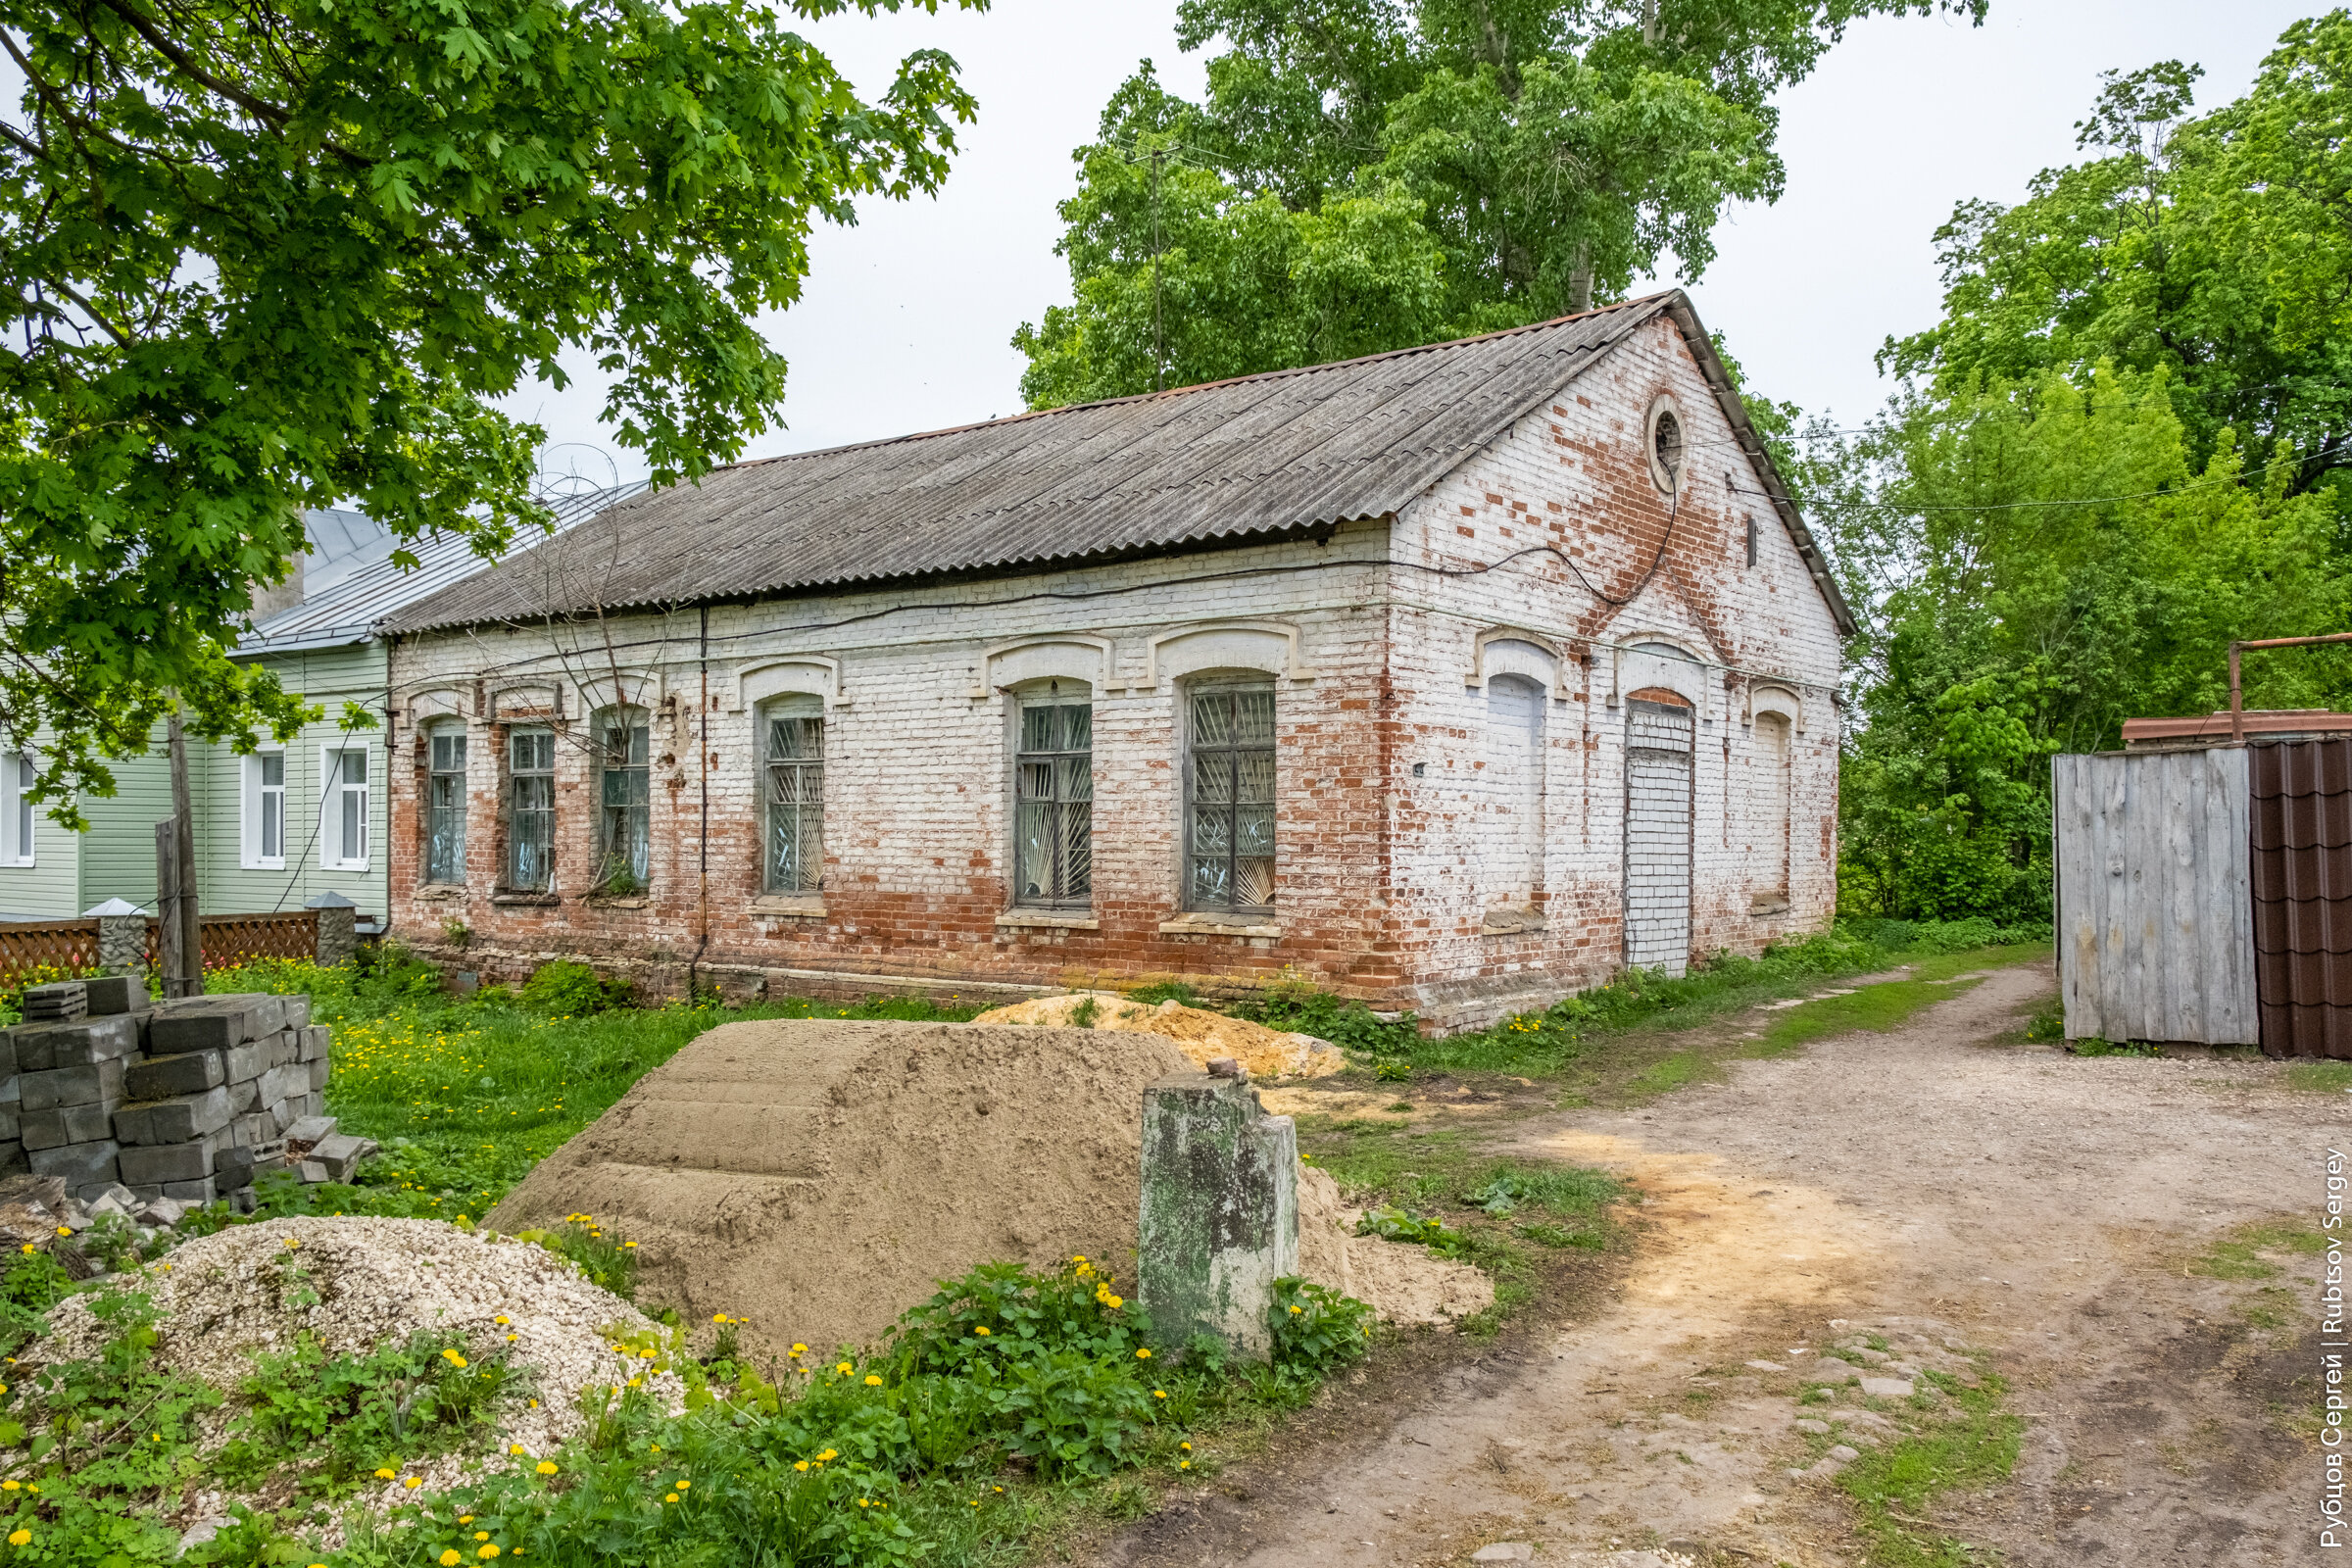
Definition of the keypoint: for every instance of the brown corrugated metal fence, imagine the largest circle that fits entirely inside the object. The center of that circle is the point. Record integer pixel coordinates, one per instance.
(2301, 826)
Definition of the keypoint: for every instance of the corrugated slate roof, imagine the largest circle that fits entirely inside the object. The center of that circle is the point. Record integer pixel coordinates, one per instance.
(1223, 462)
(348, 597)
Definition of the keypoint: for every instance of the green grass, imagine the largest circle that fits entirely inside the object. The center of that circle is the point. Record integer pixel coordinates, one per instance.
(1878, 1008)
(468, 1094)
(2239, 1257)
(1973, 1443)
(2320, 1077)
(1557, 1040)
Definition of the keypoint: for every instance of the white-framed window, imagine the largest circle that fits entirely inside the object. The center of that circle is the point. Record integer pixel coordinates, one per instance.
(17, 774)
(261, 838)
(343, 808)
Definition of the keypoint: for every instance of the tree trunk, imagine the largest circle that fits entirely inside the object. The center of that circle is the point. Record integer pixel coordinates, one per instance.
(1580, 281)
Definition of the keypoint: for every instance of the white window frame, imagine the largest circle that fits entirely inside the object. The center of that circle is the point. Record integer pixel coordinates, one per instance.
(251, 790)
(20, 825)
(331, 790)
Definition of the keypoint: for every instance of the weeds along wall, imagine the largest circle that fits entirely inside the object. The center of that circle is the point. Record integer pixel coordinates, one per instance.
(1448, 760)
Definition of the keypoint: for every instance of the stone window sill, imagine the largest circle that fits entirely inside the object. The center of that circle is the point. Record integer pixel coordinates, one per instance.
(608, 901)
(1053, 919)
(1513, 922)
(542, 900)
(1767, 906)
(789, 909)
(1199, 923)
(442, 892)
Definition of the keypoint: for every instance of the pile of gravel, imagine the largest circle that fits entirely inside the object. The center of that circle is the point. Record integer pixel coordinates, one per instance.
(377, 1281)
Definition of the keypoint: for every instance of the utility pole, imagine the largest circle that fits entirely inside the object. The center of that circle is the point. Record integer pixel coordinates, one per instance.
(181, 947)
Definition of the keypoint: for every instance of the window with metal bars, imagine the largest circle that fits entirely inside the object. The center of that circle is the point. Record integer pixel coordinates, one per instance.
(1228, 797)
(531, 810)
(1054, 799)
(625, 796)
(445, 806)
(794, 854)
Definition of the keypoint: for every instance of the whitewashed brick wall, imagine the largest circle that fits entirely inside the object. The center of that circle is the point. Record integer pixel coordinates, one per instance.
(1382, 890)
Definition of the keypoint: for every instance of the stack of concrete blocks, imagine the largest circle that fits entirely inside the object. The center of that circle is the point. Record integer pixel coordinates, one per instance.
(189, 1099)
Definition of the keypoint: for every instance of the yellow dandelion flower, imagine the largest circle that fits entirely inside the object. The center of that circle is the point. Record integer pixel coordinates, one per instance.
(479, 1534)
(1144, 1354)
(682, 1483)
(800, 1349)
(516, 1447)
(669, 1497)
(801, 1465)
(845, 1369)
(1160, 1393)
(449, 1558)
(413, 1482)
(8, 1485)
(980, 1329)
(547, 1467)
(453, 1360)
(488, 1552)
(872, 1382)
(18, 1538)
(381, 1475)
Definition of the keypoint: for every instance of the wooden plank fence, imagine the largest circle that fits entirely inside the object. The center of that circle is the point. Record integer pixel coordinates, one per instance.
(43, 949)
(2155, 904)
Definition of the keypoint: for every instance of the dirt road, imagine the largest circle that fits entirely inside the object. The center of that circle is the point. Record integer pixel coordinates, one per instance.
(1968, 1205)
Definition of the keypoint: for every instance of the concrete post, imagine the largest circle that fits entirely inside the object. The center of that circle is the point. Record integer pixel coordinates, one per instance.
(338, 928)
(1220, 1211)
(122, 937)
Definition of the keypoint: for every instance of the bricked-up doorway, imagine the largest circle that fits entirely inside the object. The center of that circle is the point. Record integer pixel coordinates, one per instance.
(1657, 835)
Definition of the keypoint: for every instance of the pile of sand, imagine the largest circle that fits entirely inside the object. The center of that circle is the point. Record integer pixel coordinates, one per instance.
(1200, 1035)
(817, 1177)
(1400, 1282)
(242, 1290)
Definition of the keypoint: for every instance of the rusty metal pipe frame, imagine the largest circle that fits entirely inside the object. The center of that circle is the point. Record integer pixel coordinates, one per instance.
(2237, 715)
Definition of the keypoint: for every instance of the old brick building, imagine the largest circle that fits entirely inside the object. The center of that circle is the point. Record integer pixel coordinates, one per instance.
(1453, 679)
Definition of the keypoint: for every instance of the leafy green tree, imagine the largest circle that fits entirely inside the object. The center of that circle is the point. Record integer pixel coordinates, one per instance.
(2049, 561)
(278, 254)
(2218, 248)
(1440, 167)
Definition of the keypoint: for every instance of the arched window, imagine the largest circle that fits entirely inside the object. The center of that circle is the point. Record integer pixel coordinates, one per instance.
(624, 800)
(1053, 796)
(793, 747)
(1513, 832)
(1769, 890)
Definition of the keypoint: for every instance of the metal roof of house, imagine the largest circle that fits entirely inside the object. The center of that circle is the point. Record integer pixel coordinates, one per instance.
(350, 585)
(1256, 456)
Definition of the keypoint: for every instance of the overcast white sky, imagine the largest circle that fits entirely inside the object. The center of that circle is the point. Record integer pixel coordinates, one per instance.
(906, 319)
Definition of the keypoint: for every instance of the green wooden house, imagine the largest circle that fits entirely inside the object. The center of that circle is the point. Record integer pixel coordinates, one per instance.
(287, 823)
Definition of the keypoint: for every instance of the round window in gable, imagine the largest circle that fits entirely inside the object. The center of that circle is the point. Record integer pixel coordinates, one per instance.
(1666, 445)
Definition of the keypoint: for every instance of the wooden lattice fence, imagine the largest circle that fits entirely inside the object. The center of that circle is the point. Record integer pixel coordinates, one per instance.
(233, 938)
(33, 951)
